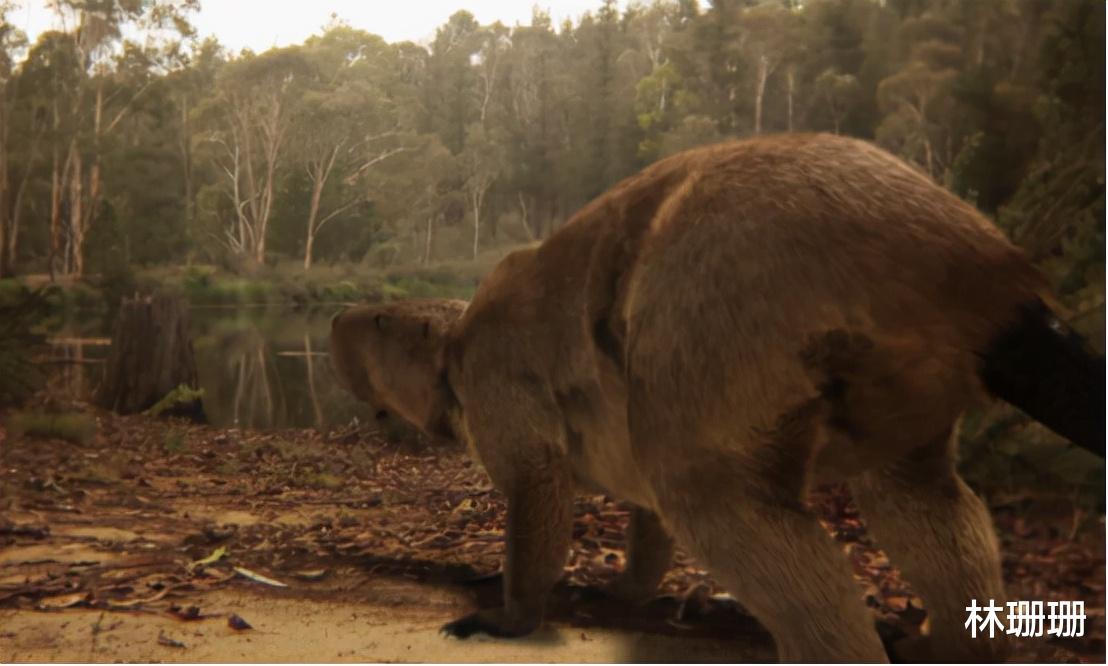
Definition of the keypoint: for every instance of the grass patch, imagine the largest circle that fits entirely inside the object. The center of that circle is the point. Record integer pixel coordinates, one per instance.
(279, 449)
(288, 284)
(229, 468)
(71, 427)
(21, 313)
(183, 399)
(320, 481)
(76, 296)
(12, 292)
(230, 291)
(106, 469)
(174, 442)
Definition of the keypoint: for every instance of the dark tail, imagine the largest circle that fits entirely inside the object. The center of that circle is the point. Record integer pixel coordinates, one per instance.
(1046, 369)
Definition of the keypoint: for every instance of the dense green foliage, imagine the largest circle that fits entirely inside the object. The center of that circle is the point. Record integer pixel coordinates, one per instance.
(134, 151)
(21, 310)
(119, 153)
(71, 426)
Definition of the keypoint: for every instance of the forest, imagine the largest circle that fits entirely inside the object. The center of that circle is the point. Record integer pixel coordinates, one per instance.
(128, 141)
(267, 190)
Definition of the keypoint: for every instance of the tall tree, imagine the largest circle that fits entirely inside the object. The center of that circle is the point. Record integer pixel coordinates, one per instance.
(345, 123)
(452, 79)
(481, 161)
(12, 185)
(770, 36)
(917, 98)
(88, 104)
(252, 118)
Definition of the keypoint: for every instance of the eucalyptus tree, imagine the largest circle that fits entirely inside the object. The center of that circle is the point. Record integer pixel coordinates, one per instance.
(482, 161)
(346, 123)
(917, 98)
(12, 185)
(88, 102)
(250, 121)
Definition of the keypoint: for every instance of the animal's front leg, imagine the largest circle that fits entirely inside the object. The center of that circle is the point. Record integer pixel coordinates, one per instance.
(540, 521)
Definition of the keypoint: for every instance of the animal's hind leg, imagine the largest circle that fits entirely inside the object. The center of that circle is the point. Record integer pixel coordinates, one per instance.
(939, 533)
(738, 509)
(777, 560)
(649, 552)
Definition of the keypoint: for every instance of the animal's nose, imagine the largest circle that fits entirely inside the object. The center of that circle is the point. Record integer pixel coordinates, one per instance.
(381, 415)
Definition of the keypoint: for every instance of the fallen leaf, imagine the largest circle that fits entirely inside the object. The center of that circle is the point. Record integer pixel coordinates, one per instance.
(216, 556)
(32, 531)
(130, 603)
(190, 613)
(216, 533)
(897, 602)
(311, 574)
(258, 578)
(879, 561)
(237, 623)
(63, 601)
(169, 642)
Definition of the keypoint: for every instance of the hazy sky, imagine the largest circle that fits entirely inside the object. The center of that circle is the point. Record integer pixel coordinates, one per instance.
(260, 24)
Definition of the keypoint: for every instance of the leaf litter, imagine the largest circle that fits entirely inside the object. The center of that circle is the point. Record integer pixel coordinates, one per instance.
(422, 513)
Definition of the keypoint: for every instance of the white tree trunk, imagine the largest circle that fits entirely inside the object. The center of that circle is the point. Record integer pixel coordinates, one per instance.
(760, 92)
(313, 213)
(427, 242)
(476, 226)
(790, 85)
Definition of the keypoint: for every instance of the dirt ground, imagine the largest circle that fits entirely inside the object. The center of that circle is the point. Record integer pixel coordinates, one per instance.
(169, 541)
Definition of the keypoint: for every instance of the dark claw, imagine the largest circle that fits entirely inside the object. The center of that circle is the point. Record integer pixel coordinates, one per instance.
(480, 622)
(464, 627)
(484, 579)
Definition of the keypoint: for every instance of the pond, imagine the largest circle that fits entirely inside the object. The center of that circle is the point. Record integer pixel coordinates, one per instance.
(259, 367)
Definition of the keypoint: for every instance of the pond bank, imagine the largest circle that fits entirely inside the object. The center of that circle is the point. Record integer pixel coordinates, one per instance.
(205, 285)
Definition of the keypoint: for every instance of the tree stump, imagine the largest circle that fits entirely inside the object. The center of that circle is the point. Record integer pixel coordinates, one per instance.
(151, 355)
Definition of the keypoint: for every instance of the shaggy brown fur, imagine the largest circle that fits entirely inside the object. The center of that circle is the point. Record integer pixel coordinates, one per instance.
(705, 341)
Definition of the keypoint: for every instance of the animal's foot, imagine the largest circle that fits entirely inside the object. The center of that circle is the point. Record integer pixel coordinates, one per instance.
(492, 621)
(629, 591)
(927, 650)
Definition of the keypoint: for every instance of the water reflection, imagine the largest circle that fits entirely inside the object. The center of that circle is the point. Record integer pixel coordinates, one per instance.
(259, 368)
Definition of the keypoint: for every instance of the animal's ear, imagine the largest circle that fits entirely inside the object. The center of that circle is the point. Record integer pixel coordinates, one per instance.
(380, 321)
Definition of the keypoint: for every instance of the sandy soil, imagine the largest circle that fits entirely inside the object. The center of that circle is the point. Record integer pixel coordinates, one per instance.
(292, 629)
(146, 543)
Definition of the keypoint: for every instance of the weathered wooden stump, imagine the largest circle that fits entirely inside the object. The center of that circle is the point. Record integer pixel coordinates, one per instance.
(151, 356)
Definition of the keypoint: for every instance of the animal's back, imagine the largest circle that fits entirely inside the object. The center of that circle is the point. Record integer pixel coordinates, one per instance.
(774, 259)
(720, 273)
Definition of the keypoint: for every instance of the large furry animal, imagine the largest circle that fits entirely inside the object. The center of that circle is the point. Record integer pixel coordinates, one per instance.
(713, 336)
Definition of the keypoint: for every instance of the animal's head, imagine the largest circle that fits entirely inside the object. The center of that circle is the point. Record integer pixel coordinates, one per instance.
(392, 356)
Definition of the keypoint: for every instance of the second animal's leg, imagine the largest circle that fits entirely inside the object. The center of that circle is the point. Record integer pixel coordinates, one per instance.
(941, 536)
(649, 552)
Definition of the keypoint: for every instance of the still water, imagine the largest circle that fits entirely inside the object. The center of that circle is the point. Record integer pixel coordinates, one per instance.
(259, 367)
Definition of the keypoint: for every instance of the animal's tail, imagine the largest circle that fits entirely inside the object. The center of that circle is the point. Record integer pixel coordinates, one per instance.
(1046, 369)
